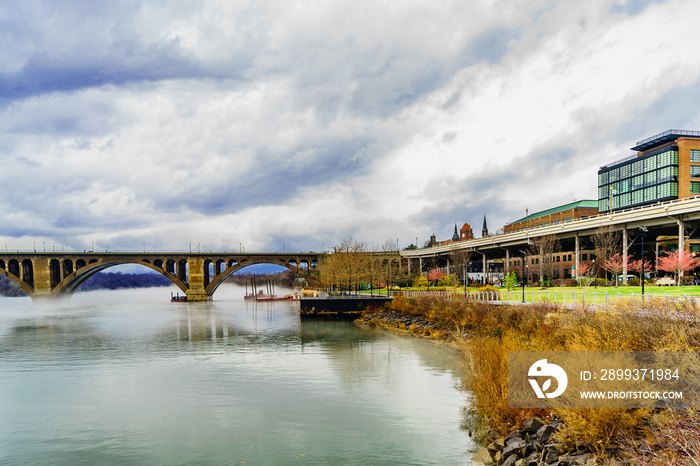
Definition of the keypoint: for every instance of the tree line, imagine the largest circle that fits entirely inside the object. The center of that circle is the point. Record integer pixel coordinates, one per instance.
(355, 265)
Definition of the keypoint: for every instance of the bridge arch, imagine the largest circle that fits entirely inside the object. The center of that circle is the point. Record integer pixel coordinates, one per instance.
(71, 283)
(218, 279)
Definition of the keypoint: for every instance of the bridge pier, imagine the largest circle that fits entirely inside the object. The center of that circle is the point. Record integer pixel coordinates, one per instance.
(42, 278)
(196, 290)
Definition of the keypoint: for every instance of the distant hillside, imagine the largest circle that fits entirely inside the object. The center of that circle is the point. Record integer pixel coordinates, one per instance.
(117, 281)
(8, 288)
(99, 281)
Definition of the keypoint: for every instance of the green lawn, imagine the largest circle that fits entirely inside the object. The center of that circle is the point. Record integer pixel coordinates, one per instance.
(567, 295)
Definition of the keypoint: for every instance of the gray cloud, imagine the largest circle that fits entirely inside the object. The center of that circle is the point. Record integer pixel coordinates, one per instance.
(262, 124)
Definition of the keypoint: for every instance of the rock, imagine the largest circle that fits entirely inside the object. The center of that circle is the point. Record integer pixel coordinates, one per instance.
(537, 445)
(493, 435)
(517, 433)
(515, 447)
(551, 457)
(521, 462)
(498, 444)
(510, 461)
(532, 425)
(545, 432)
(580, 460)
(558, 424)
(498, 457)
(482, 457)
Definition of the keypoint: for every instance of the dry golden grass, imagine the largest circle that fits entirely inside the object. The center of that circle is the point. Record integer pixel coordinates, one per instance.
(492, 331)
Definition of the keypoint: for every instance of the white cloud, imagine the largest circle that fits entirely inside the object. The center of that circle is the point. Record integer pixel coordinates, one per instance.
(231, 123)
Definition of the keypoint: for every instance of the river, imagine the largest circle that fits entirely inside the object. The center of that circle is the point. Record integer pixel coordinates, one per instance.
(126, 377)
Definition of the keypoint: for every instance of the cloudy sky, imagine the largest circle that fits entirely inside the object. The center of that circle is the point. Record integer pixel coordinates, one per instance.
(271, 124)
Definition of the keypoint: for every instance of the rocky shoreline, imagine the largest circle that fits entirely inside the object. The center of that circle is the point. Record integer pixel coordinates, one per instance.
(405, 323)
(532, 445)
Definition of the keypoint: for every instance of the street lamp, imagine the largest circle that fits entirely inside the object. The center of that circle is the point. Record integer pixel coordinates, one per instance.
(523, 280)
(464, 276)
(595, 276)
(642, 234)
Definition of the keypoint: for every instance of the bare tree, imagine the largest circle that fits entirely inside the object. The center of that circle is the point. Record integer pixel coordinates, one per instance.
(347, 266)
(545, 247)
(608, 243)
(460, 258)
(390, 263)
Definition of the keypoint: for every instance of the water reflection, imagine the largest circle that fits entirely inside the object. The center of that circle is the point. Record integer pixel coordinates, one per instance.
(101, 381)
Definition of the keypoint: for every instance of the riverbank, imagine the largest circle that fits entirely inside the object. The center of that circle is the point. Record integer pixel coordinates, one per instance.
(486, 333)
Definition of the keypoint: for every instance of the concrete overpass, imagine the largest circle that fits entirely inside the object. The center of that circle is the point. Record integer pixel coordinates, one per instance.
(198, 275)
(680, 218)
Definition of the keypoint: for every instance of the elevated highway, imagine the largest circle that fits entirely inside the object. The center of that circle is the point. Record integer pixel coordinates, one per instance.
(680, 218)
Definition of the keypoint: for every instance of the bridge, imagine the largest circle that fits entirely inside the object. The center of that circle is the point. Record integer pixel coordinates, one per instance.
(679, 218)
(197, 275)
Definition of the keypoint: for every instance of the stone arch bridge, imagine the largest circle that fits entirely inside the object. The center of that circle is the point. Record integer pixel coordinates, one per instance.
(197, 275)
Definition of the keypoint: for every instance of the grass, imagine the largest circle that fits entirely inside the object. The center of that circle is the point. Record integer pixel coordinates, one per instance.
(486, 333)
(593, 295)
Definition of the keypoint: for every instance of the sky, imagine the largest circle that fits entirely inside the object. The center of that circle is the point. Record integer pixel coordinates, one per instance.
(291, 125)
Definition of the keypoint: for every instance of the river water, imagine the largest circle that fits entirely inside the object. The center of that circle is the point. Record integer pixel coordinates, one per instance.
(126, 377)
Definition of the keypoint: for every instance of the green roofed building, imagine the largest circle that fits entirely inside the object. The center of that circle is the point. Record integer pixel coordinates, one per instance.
(561, 214)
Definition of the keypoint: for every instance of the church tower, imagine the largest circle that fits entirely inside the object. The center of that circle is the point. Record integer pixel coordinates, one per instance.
(484, 229)
(455, 236)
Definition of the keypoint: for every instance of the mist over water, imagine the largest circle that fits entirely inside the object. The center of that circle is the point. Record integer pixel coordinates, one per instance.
(127, 377)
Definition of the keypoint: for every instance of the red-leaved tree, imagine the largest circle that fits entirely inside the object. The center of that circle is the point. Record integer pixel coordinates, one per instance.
(435, 274)
(614, 264)
(636, 266)
(678, 263)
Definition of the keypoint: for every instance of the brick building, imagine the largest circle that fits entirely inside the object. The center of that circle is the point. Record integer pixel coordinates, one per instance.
(555, 215)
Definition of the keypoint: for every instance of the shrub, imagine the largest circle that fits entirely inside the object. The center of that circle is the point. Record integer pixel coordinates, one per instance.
(488, 288)
(421, 282)
(448, 280)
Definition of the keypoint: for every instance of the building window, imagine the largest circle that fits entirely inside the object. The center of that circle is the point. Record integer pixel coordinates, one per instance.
(649, 164)
(558, 257)
(695, 187)
(695, 155)
(569, 257)
(638, 167)
(695, 171)
(614, 175)
(584, 257)
(650, 178)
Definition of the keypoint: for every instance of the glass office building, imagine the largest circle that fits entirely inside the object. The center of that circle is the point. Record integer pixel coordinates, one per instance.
(666, 166)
